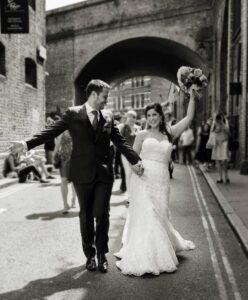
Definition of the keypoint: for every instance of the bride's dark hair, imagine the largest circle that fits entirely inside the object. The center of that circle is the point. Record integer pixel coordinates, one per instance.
(162, 126)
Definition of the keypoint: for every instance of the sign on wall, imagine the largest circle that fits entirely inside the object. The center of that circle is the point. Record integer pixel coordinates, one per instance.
(14, 16)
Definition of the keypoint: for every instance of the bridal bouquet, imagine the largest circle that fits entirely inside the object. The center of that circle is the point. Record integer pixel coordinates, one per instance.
(191, 78)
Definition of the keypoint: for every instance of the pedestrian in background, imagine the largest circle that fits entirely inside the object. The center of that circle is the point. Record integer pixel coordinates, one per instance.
(49, 145)
(31, 157)
(170, 120)
(220, 150)
(15, 167)
(119, 168)
(186, 140)
(129, 131)
(63, 149)
(203, 155)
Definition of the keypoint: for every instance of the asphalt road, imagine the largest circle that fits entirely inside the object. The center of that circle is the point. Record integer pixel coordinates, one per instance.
(41, 256)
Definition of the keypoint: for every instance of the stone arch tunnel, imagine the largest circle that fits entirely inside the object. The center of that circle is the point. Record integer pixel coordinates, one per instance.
(135, 57)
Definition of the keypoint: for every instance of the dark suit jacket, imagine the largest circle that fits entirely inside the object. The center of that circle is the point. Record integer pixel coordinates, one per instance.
(91, 156)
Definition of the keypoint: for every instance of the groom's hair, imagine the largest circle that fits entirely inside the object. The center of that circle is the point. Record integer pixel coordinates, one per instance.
(96, 85)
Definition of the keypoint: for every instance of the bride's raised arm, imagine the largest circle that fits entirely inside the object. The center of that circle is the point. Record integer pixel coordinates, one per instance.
(139, 139)
(178, 128)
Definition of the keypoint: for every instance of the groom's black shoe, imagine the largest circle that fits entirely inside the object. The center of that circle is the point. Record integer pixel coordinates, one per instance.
(102, 263)
(91, 264)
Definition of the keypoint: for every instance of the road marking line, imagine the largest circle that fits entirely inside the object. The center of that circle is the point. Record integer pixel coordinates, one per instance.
(224, 257)
(215, 263)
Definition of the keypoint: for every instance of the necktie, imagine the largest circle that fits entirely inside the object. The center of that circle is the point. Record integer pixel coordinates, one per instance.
(95, 119)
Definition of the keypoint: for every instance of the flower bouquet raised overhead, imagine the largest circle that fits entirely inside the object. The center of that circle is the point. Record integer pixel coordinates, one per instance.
(191, 79)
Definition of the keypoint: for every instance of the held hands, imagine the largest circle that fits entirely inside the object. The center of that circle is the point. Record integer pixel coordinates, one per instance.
(16, 147)
(138, 168)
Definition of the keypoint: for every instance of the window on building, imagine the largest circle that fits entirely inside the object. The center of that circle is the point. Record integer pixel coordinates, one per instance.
(136, 101)
(132, 83)
(132, 101)
(2, 60)
(142, 81)
(236, 16)
(30, 72)
(116, 103)
(31, 3)
(142, 100)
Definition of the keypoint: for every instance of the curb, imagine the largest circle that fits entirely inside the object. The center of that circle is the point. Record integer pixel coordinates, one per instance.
(7, 182)
(236, 223)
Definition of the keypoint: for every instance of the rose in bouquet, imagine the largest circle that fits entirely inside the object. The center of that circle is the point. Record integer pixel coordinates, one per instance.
(191, 78)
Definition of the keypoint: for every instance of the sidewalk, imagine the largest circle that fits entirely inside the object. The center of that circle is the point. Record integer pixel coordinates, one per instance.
(5, 182)
(233, 199)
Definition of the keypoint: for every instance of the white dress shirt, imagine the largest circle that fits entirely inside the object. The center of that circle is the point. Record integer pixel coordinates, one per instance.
(90, 115)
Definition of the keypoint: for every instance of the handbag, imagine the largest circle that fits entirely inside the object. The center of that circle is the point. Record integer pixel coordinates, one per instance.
(211, 141)
(57, 160)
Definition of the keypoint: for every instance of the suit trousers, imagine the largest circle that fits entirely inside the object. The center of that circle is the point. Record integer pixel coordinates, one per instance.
(94, 202)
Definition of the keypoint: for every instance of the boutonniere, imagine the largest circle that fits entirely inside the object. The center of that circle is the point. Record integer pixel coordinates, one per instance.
(108, 116)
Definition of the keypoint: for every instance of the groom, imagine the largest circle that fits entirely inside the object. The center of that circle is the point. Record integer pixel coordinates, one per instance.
(91, 168)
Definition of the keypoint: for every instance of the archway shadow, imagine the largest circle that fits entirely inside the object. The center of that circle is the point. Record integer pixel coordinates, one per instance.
(48, 216)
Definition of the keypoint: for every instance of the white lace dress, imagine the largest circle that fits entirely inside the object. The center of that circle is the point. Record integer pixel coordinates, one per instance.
(150, 241)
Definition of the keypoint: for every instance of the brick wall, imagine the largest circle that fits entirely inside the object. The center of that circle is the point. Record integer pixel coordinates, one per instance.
(22, 107)
(78, 34)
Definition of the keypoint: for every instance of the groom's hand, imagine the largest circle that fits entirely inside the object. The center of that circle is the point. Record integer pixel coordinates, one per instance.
(138, 168)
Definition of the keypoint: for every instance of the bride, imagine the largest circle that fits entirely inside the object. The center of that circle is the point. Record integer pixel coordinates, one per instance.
(150, 242)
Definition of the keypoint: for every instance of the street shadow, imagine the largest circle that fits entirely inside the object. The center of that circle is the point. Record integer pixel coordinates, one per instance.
(49, 184)
(124, 203)
(86, 285)
(118, 193)
(48, 216)
(181, 258)
(75, 278)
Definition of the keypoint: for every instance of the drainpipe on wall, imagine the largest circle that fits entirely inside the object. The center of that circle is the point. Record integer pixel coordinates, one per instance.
(229, 55)
(244, 38)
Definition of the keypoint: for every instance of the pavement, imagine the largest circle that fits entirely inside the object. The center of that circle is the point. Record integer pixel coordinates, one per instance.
(233, 199)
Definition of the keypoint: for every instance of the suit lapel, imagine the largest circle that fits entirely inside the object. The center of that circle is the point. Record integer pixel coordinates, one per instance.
(101, 123)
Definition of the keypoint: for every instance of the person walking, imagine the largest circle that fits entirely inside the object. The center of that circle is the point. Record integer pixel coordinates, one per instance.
(91, 169)
(203, 155)
(186, 140)
(220, 150)
(129, 131)
(63, 148)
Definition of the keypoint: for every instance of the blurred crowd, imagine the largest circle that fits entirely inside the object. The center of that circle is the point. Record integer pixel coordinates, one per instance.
(211, 145)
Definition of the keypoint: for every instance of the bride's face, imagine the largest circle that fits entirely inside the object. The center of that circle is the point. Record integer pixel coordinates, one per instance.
(153, 118)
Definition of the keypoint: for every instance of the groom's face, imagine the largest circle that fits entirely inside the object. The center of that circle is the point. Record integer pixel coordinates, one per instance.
(102, 99)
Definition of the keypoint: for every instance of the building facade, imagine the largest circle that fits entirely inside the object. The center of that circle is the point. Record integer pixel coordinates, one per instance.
(22, 79)
(135, 93)
(229, 76)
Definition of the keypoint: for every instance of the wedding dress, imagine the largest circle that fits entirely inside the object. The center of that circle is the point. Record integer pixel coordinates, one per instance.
(150, 241)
